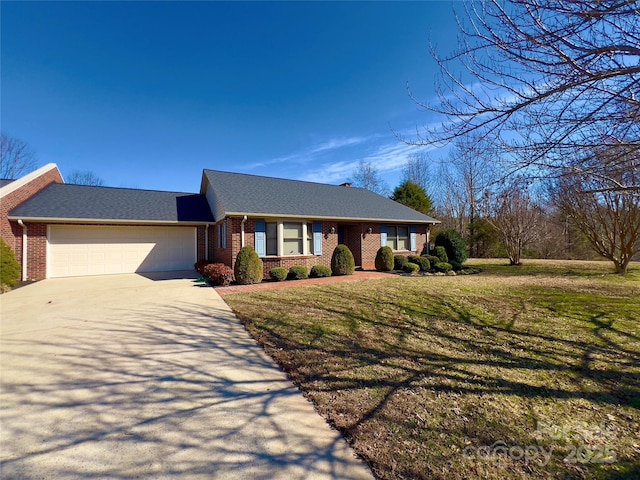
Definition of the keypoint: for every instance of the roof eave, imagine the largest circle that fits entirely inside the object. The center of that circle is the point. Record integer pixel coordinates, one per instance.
(336, 218)
(108, 221)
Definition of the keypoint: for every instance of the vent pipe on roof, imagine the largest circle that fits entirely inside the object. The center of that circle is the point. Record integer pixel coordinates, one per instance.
(346, 184)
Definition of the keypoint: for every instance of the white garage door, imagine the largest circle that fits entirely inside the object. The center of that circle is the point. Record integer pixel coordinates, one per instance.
(96, 250)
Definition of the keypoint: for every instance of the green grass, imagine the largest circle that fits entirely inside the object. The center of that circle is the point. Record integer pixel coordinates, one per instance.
(422, 373)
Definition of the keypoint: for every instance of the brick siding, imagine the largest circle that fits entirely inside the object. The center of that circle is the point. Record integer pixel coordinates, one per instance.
(362, 244)
(11, 232)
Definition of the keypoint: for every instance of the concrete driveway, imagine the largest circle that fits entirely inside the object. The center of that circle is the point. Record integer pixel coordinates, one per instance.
(128, 376)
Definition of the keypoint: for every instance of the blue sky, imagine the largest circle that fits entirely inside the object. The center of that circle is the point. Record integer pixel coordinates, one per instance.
(148, 94)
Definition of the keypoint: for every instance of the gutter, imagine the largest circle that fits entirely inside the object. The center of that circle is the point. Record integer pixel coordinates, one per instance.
(337, 218)
(108, 221)
(24, 250)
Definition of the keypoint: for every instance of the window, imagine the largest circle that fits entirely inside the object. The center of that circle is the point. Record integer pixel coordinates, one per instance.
(222, 235)
(398, 237)
(310, 238)
(272, 238)
(288, 238)
(292, 240)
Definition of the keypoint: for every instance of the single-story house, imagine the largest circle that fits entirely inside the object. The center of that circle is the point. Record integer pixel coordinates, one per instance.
(59, 230)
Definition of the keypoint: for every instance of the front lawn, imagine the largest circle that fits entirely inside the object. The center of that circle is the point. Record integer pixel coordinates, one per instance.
(517, 372)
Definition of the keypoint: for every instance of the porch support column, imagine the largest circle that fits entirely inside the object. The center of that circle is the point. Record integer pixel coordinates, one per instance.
(24, 250)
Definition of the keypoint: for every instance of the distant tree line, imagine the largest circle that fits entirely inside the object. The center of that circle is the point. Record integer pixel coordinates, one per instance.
(544, 130)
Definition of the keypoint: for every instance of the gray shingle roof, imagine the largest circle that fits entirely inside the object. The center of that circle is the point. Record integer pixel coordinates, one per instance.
(5, 181)
(81, 202)
(241, 194)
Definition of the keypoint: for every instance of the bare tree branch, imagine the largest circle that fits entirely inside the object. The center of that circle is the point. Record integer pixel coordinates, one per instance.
(366, 176)
(16, 158)
(609, 219)
(85, 177)
(548, 78)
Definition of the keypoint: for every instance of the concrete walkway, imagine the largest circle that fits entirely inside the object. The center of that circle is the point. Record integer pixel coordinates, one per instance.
(126, 376)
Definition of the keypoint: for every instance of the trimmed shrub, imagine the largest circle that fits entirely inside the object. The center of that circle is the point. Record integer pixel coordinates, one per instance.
(218, 273)
(298, 273)
(442, 267)
(399, 261)
(441, 253)
(342, 262)
(411, 267)
(248, 267)
(384, 259)
(469, 270)
(455, 265)
(432, 259)
(9, 266)
(278, 274)
(199, 266)
(454, 244)
(318, 271)
(422, 262)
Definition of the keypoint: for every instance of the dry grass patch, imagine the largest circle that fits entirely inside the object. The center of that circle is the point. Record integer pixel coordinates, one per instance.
(529, 373)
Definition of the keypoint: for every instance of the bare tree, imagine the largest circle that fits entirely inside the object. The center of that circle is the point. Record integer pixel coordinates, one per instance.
(16, 158)
(517, 219)
(466, 179)
(609, 219)
(418, 170)
(366, 176)
(85, 177)
(549, 78)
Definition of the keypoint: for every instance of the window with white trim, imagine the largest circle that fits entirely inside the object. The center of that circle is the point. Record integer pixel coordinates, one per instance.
(309, 238)
(292, 239)
(285, 238)
(222, 235)
(398, 237)
(272, 238)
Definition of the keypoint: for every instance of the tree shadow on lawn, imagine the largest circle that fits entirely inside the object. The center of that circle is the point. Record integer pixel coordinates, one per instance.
(384, 366)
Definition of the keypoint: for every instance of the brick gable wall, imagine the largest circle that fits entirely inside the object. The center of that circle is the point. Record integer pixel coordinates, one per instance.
(11, 232)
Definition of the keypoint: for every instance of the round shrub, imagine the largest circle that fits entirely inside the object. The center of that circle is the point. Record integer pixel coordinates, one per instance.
(384, 259)
(432, 259)
(411, 267)
(248, 267)
(454, 244)
(278, 274)
(218, 273)
(199, 266)
(442, 267)
(441, 253)
(422, 262)
(342, 262)
(298, 273)
(399, 261)
(318, 271)
(9, 266)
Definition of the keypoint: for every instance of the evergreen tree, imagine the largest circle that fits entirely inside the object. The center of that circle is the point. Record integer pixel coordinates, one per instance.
(413, 196)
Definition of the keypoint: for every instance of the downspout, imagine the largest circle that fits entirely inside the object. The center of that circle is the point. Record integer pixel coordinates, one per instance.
(24, 250)
(244, 219)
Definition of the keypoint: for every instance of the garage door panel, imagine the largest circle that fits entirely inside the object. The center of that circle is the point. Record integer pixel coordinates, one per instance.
(99, 250)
